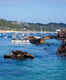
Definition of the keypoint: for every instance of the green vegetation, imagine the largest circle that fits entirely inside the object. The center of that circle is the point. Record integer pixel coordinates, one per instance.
(14, 25)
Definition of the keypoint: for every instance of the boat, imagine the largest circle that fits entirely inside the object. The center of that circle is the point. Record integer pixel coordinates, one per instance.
(20, 42)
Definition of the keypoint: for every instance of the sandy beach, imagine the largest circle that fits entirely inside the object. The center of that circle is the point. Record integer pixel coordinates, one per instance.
(9, 31)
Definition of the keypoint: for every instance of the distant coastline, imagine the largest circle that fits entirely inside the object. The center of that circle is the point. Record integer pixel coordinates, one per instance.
(9, 31)
(11, 26)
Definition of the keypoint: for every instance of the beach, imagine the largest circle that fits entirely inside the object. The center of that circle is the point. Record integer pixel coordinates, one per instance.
(9, 31)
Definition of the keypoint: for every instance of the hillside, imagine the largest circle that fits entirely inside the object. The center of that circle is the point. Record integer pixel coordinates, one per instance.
(14, 25)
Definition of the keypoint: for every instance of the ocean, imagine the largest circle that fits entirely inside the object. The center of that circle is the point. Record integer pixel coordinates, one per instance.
(46, 65)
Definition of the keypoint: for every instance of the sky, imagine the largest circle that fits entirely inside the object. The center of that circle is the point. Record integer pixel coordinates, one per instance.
(39, 11)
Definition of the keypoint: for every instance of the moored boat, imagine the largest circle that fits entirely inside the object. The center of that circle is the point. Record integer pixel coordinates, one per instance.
(20, 41)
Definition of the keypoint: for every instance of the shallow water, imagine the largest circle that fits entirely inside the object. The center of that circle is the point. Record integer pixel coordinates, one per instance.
(45, 66)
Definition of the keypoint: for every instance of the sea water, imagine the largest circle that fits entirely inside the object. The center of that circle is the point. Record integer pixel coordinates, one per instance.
(46, 65)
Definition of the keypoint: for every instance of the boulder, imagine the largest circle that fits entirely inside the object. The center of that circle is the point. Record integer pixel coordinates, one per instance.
(19, 55)
(62, 50)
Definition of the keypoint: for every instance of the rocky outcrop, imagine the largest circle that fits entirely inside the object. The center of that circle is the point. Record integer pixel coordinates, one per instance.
(62, 50)
(19, 55)
(62, 34)
(50, 37)
(35, 40)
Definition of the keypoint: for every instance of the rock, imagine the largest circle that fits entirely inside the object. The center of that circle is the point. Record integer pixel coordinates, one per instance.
(28, 56)
(19, 55)
(50, 37)
(9, 56)
(62, 50)
(62, 34)
(35, 40)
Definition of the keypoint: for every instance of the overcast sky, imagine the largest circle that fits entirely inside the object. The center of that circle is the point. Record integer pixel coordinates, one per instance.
(43, 11)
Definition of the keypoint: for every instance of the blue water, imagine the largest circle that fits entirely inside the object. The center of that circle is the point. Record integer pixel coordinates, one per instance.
(45, 66)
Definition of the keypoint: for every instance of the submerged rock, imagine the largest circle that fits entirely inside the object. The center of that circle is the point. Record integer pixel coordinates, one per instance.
(19, 55)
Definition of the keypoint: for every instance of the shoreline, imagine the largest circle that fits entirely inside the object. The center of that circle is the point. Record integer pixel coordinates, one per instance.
(9, 31)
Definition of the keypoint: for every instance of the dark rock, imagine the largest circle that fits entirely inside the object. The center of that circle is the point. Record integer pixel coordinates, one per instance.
(19, 55)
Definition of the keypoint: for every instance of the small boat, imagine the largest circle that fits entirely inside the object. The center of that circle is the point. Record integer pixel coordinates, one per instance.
(20, 42)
